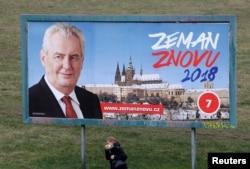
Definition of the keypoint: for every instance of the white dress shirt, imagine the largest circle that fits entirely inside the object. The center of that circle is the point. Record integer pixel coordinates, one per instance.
(59, 95)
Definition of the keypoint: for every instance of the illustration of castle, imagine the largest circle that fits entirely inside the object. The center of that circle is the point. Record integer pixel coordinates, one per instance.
(142, 85)
(128, 77)
(151, 85)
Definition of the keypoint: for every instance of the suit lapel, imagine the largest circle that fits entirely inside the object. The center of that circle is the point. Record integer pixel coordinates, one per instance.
(52, 106)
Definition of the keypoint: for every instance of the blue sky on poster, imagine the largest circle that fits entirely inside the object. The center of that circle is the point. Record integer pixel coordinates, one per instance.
(110, 43)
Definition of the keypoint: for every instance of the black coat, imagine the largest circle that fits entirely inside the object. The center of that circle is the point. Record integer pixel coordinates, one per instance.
(42, 102)
(119, 154)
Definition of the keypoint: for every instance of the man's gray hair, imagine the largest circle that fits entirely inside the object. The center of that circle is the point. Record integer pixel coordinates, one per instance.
(66, 30)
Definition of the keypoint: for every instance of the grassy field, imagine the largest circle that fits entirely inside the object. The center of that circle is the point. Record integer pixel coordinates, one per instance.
(26, 146)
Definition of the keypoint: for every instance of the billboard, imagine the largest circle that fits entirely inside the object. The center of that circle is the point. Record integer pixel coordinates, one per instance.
(159, 71)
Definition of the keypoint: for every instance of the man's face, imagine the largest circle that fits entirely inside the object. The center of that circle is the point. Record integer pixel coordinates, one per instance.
(63, 62)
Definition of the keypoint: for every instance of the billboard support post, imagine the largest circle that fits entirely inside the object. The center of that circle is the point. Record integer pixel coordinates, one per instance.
(193, 144)
(83, 147)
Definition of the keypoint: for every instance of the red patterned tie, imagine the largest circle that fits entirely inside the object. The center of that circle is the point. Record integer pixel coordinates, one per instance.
(70, 112)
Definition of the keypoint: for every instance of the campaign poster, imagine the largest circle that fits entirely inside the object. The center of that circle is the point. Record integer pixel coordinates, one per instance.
(164, 71)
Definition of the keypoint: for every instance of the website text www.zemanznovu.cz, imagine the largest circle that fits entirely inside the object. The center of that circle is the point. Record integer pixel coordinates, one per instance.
(132, 108)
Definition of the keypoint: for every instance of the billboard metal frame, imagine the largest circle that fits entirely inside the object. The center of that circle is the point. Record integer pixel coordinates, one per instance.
(156, 19)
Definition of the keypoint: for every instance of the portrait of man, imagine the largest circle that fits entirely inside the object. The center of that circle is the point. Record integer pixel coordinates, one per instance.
(56, 94)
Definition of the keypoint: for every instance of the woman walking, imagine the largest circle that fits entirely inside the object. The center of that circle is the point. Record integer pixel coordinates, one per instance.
(115, 154)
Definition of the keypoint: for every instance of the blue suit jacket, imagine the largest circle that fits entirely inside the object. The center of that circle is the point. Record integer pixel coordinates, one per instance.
(42, 102)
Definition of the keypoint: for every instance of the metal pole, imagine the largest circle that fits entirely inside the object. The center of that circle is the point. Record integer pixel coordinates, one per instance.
(83, 148)
(193, 144)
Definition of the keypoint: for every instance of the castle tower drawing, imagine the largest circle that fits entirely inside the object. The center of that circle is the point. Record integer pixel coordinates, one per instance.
(117, 74)
(128, 77)
(129, 73)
